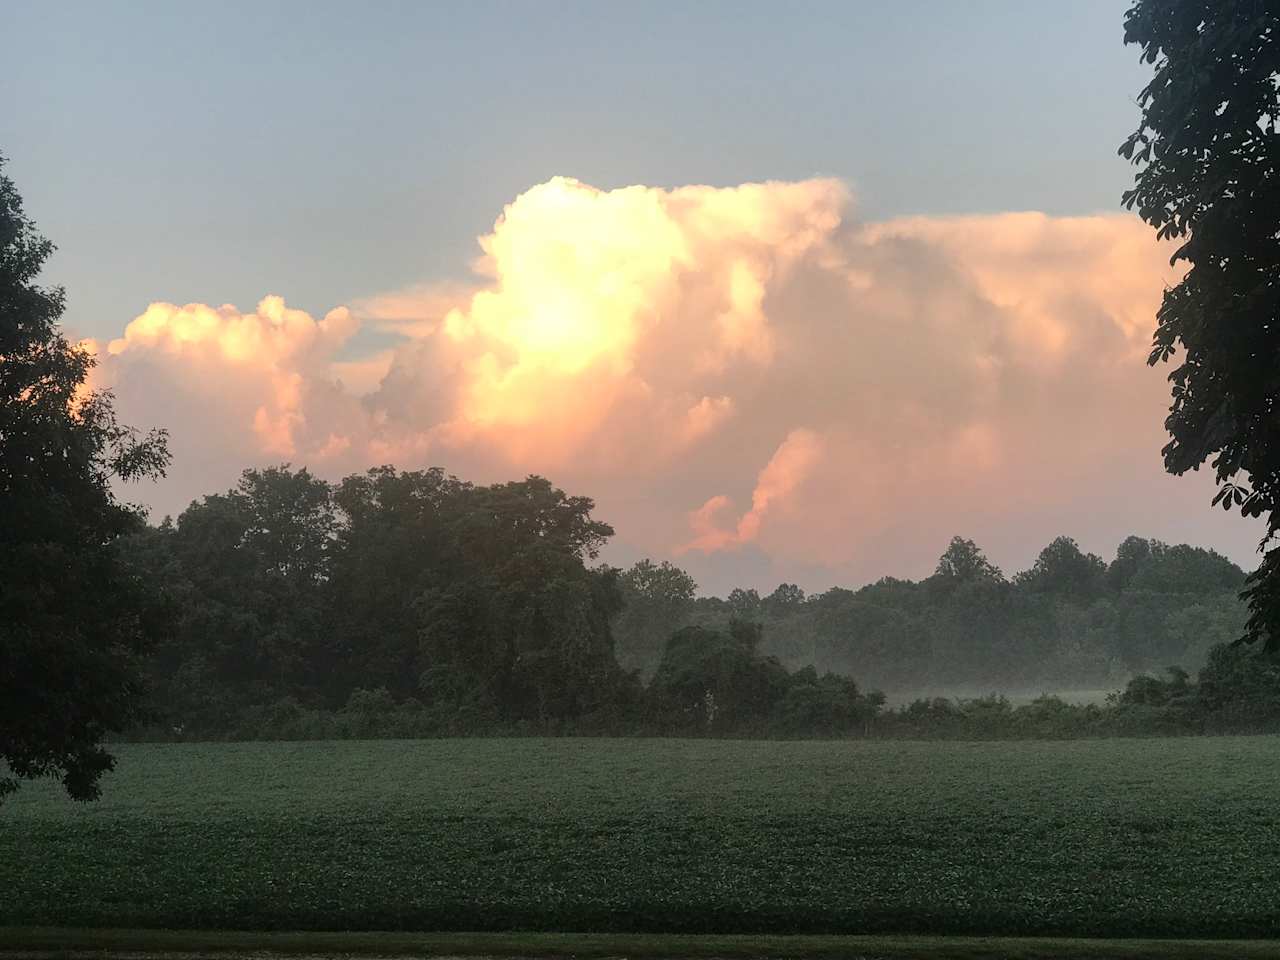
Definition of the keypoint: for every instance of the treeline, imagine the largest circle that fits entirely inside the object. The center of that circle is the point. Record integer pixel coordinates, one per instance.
(1237, 691)
(1072, 621)
(476, 602)
(417, 604)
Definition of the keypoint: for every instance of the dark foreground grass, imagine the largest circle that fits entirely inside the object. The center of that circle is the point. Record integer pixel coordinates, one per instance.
(135, 944)
(1152, 838)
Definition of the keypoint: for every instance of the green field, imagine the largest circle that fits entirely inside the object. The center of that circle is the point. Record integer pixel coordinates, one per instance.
(1156, 838)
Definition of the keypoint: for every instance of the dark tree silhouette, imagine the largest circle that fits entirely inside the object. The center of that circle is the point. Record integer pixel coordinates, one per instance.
(1063, 569)
(1207, 151)
(521, 628)
(72, 618)
(963, 562)
(658, 599)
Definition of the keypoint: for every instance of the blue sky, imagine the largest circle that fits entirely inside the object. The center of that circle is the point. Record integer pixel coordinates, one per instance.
(327, 151)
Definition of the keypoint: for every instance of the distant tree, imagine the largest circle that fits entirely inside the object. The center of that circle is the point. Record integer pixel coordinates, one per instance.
(904, 595)
(1208, 158)
(963, 562)
(1240, 684)
(1132, 553)
(391, 546)
(1192, 631)
(658, 599)
(72, 617)
(289, 522)
(968, 613)
(857, 633)
(1149, 691)
(714, 679)
(787, 598)
(1185, 569)
(186, 691)
(1064, 570)
(788, 626)
(744, 604)
(252, 565)
(827, 705)
(520, 632)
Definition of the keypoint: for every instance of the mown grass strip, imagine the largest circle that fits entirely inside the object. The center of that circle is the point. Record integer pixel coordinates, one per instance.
(24, 942)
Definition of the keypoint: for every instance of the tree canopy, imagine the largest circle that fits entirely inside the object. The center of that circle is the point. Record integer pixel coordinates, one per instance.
(657, 598)
(1206, 150)
(421, 603)
(73, 618)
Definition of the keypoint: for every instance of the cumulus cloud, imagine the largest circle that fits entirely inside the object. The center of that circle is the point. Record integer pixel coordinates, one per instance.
(790, 465)
(748, 375)
(279, 352)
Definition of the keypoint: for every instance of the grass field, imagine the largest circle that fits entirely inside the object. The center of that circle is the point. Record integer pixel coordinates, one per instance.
(1156, 838)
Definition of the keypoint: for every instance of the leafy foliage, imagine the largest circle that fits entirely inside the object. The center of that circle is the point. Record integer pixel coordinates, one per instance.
(520, 629)
(1064, 570)
(481, 607)
(964, 562)
(657, 600)
(714, 680)
(72, 618)
(391, 546)
(1070, 621)
(477, 600)
(1207, 152)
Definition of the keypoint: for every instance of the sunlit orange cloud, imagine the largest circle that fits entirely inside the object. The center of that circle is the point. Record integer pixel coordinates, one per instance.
(786, 470)
(741, 375)
(235, 389)
(593, 291)
(93, 381)
(1044, 271)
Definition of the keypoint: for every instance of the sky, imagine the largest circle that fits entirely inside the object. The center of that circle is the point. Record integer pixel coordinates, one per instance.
(794, 293)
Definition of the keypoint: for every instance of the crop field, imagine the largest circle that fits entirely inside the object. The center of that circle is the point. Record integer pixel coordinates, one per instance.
(1170, 838)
